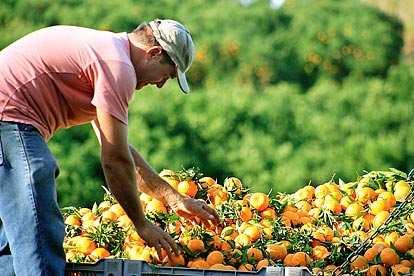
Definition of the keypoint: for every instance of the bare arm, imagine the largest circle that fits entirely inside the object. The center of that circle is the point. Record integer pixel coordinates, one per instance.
(119, 170)
(149, 182)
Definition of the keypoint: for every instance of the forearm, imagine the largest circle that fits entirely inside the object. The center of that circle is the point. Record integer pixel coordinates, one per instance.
(121, 179)
(149, 182)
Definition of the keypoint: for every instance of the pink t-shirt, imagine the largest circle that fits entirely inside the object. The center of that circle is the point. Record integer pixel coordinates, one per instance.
(56, 77)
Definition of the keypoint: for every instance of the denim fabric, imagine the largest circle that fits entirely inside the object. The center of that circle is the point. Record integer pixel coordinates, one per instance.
(31, 225)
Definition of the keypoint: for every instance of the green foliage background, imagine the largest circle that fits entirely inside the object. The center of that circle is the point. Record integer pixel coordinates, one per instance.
(280, 97)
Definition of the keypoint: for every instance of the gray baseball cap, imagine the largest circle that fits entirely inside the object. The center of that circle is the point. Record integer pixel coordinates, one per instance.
(176, 40)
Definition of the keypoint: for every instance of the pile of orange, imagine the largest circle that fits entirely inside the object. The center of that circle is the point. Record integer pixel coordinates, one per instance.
(316, 227)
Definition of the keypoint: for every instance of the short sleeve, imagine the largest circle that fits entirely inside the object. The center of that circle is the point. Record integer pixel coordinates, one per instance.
(114, 84)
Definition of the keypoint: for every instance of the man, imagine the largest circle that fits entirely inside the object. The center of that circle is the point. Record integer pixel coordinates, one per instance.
(63, 76)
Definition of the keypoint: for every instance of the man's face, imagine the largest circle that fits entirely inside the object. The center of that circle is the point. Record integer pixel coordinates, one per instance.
(157, 69)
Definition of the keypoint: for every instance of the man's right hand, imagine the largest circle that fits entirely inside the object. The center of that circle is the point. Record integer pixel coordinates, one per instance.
(154, 236)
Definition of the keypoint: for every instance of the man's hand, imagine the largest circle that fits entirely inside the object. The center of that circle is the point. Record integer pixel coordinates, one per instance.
(156, 237)
(190, 208)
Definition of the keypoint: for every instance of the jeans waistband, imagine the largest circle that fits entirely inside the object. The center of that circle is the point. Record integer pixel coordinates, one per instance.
(20, 126)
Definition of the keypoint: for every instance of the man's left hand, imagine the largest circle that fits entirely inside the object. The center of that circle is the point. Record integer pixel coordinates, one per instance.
(190, 208)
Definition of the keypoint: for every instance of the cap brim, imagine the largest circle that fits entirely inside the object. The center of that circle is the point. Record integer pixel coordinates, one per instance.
(182, 82)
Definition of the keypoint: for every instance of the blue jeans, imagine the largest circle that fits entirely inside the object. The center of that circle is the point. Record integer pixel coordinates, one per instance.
(31, 225)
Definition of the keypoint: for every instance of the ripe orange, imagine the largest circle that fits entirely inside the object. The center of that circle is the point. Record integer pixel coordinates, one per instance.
(176, 260)
(246, 267)
(195, 245)
(100, 253)
(233, 185)
(254, 254)
(253, 232)
(288, 261)
(401, 190)
(300, 259)
(371, 253)
(187, 187)
(246, 214)
(354, 210)
(276, 251)
(259, 201)
(404, 243)
(268, 213)
(85, 245)
(359, 263)
(215, 257)
(389, 257)
(376, 270)
(73, 220)
(206, 182)
(242, 240)
(108, 216)
(400, 269)
(155, 206)
(262, 263)
(380, 218)
(320, 252)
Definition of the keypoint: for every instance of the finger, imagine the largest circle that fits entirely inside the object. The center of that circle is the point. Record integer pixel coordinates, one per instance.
(158, 249)
(167, 248)
(211, 212)
(173, 245)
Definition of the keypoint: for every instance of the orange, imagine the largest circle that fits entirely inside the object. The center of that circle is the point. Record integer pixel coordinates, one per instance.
(389, 257)
(354, 210)
(246, 214)
(276, 251)
(268, 213)
(371, 253)
(155, 206)
(378, 205)
(404, 243)
(233, 185)
(195, 245)
(365, 195)
(117, 209)
(242, 240)
(400, 269)
(187, 187)
(254, 254)
(215, 257)
(389, 199)
(288, 261)
(376, 270)
(263, 263)
(124, 221)
(100, 253)
(380, 218)
(176, 260)
(253, 232)
(206, 182)
(401, 190)
(300, 259)
(85, 245)
(73, 220)
(259, 201)
(320, 252)
(246, 267)
(108, 216)
(359, 263)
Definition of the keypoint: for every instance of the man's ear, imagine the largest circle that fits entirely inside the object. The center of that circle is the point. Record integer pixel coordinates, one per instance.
(154, 51)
